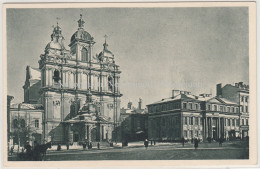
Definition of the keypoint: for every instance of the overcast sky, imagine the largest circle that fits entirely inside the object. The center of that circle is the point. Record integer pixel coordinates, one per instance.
(157, 49)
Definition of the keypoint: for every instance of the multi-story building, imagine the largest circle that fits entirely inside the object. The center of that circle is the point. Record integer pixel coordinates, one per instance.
(68, 83)
(134, 123)
(238, 93)
(25, 123)
(188, 116)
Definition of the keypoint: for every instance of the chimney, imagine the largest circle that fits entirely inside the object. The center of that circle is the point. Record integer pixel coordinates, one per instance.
(219, 90)
(129, 105)
(175, 93)
(140, 104)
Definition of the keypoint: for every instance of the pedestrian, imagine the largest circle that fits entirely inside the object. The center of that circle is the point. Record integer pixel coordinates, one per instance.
(220, 142)
(28, 151)
(84, 145)
(12, 150)
(196, 143)
(68, 146)
(98, 146)
(183, 141)
(90, 145)
(146, 144)
(58, 147)
(36, 152)
(154, 142)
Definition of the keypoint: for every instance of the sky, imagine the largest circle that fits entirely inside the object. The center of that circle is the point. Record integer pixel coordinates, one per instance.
(157, 49)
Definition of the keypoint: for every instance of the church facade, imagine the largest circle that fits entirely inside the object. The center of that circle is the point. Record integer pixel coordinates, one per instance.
(71, 81)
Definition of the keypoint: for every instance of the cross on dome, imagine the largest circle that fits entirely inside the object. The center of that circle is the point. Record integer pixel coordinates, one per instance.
(81, 22)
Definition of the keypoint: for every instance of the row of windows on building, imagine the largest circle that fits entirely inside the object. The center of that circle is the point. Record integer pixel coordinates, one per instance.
(222, 108)
(196, 133)
(165, 121)
(165, 107)
(69, 81)
(228, 122)
(196, 106)
(23, 123)
(244, 99)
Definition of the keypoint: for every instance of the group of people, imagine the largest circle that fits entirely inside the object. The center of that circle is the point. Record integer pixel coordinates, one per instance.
(84, 145)
(28, 152)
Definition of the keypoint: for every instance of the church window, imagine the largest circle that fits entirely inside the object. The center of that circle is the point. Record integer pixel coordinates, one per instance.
(56, 76)
(84, 55)
(110, 83)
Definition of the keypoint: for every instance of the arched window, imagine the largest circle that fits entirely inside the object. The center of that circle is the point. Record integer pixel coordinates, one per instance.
(110, 83)
(15, 123)
(84, 55)
(22, 123)
(56, 76)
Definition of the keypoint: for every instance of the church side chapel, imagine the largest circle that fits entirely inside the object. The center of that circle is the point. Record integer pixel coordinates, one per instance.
(79, 90)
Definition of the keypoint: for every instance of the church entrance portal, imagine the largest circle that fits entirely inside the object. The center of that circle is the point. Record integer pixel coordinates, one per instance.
(94, 135)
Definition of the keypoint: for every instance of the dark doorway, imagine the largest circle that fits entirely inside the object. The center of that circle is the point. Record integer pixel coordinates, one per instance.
(75, 137)
(214, 133)
(94, 135)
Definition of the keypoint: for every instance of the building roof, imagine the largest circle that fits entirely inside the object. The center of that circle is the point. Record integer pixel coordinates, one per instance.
(34, 73)
(81, 35)
(226, 101)
(180, 96)
(203, 98)
(27, 106)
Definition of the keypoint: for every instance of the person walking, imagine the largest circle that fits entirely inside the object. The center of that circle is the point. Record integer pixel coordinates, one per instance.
(183, 141)
(220, 142)
(146, 144)
(98, 146)
(12, 150)
(68, 145)
(196, 143)
(84, 145)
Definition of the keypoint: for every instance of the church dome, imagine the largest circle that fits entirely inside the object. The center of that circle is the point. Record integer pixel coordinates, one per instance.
(54, 45)
(105, 54)
(81, 35)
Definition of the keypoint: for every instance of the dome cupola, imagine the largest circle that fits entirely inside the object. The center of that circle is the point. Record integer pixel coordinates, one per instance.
(56, 45)
(106, 55)
(81, 35)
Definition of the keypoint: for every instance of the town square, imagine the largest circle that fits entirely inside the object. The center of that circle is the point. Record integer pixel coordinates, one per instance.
(90, 84)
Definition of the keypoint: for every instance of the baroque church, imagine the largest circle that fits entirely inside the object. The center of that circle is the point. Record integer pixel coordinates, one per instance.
(79, 90)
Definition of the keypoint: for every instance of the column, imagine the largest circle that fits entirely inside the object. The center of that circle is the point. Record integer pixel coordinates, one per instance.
(219, 128)
(206, 128)
(211, 133)
(89, 132)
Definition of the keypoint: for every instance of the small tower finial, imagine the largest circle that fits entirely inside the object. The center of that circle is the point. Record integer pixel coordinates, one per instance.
(58, 21)
(105, 44)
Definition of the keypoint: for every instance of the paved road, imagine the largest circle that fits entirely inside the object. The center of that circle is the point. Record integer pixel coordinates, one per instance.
(175, 151)
(167, 152)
